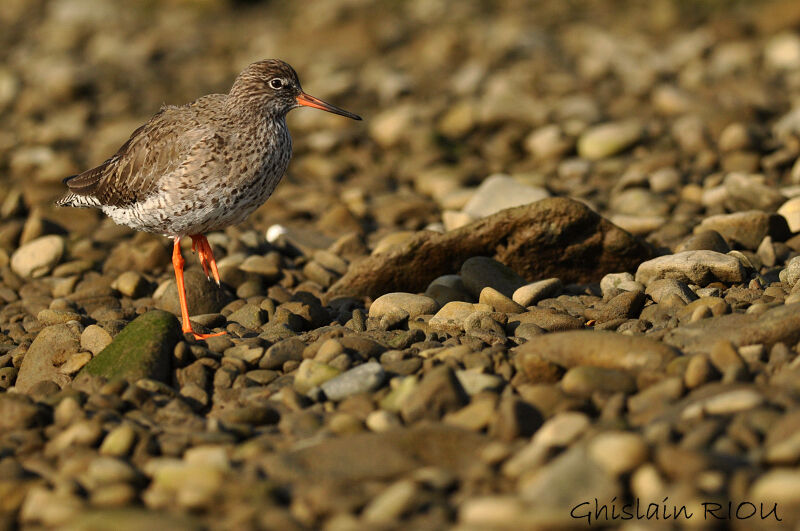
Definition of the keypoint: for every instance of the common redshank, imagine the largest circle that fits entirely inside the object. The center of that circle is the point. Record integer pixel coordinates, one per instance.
(202, 166)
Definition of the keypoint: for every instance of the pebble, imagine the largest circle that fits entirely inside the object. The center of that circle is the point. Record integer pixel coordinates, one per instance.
(480, 272)
(38, 257)
(499, 302)
(361, 379)
(412, 305)
(613, 284)
(95, 339)
(311, 374)
(747, 228)
(498, 192)
(694, 267)
(605, 140)
(585, 380)
(618, 452)
(598, 349)
(659, 290)
(530, 294)
(119, 441)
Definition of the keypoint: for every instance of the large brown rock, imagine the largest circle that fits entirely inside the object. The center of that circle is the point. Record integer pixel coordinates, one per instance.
(555, 237)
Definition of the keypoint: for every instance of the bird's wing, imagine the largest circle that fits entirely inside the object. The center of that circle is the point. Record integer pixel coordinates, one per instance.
(154, 150)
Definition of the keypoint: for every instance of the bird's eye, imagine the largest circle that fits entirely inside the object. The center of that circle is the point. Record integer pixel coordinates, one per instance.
(276, 83)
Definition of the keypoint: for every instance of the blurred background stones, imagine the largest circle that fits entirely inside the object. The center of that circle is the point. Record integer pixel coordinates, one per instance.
(462, 395)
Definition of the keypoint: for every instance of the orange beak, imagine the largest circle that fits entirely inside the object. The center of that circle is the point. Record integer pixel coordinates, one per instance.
(311, 101)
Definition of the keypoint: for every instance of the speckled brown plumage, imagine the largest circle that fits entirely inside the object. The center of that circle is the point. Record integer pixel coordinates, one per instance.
(203, 166)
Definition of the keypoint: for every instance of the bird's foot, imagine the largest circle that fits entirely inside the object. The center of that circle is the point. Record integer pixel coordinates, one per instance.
(206, 256)
(201, 337)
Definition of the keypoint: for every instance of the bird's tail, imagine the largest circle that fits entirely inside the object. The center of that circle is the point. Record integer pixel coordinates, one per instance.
(79, 201)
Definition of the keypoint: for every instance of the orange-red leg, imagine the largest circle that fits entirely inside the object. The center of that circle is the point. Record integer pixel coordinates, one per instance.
(177, 263)
(206, 256)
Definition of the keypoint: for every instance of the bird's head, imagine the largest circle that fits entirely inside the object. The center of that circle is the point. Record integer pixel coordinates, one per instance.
(273, 85)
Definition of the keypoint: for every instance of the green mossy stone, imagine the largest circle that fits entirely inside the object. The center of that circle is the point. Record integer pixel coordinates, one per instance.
(143, 349)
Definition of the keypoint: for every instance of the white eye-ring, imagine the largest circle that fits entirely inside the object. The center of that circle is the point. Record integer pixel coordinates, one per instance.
(276, 83)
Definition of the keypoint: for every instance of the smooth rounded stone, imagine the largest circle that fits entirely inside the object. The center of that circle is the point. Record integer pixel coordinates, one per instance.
(312, 373)
(119, 441)
(498, 301)
(659, 290)
(328, 350)
(448, 288)
(75, 362)
(438, 392)
(618, 452)
(38, 257)
(290, 349)
(452, 316)
(726, 402)
(778, 324)
(693, 267)
(143, 349)
(94, 339)
(599, 349)
(391, 503)
(548, 142)
(498, 192)
(585, 380)
(626, 305)
(530, 294)
(382, 420)
(479, 272)
(636, 224)
(202, 296)
(51, 348)
(782, 51)
(50, 317)
(18, 412)
(106, 470)
(496, 512)
(638, 202)
(52, 508)
(791, 273)
(704, 240)
(268, 265)
(566, 481)
(608, 139)
(790, 210)
(412, 305)
(145, 254)
(475, 416)
(698, 371)
(361, 379)
(748, 228)
(248, 353)
(183, 485)
(7, 377)
(715, 305)
(473, 382)
(726, 360)
(249, 316)
(613, 284)
(546, 319)
(783, 440)
(131, 284)
(779, 486)
(665, 180)
(751, 192)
